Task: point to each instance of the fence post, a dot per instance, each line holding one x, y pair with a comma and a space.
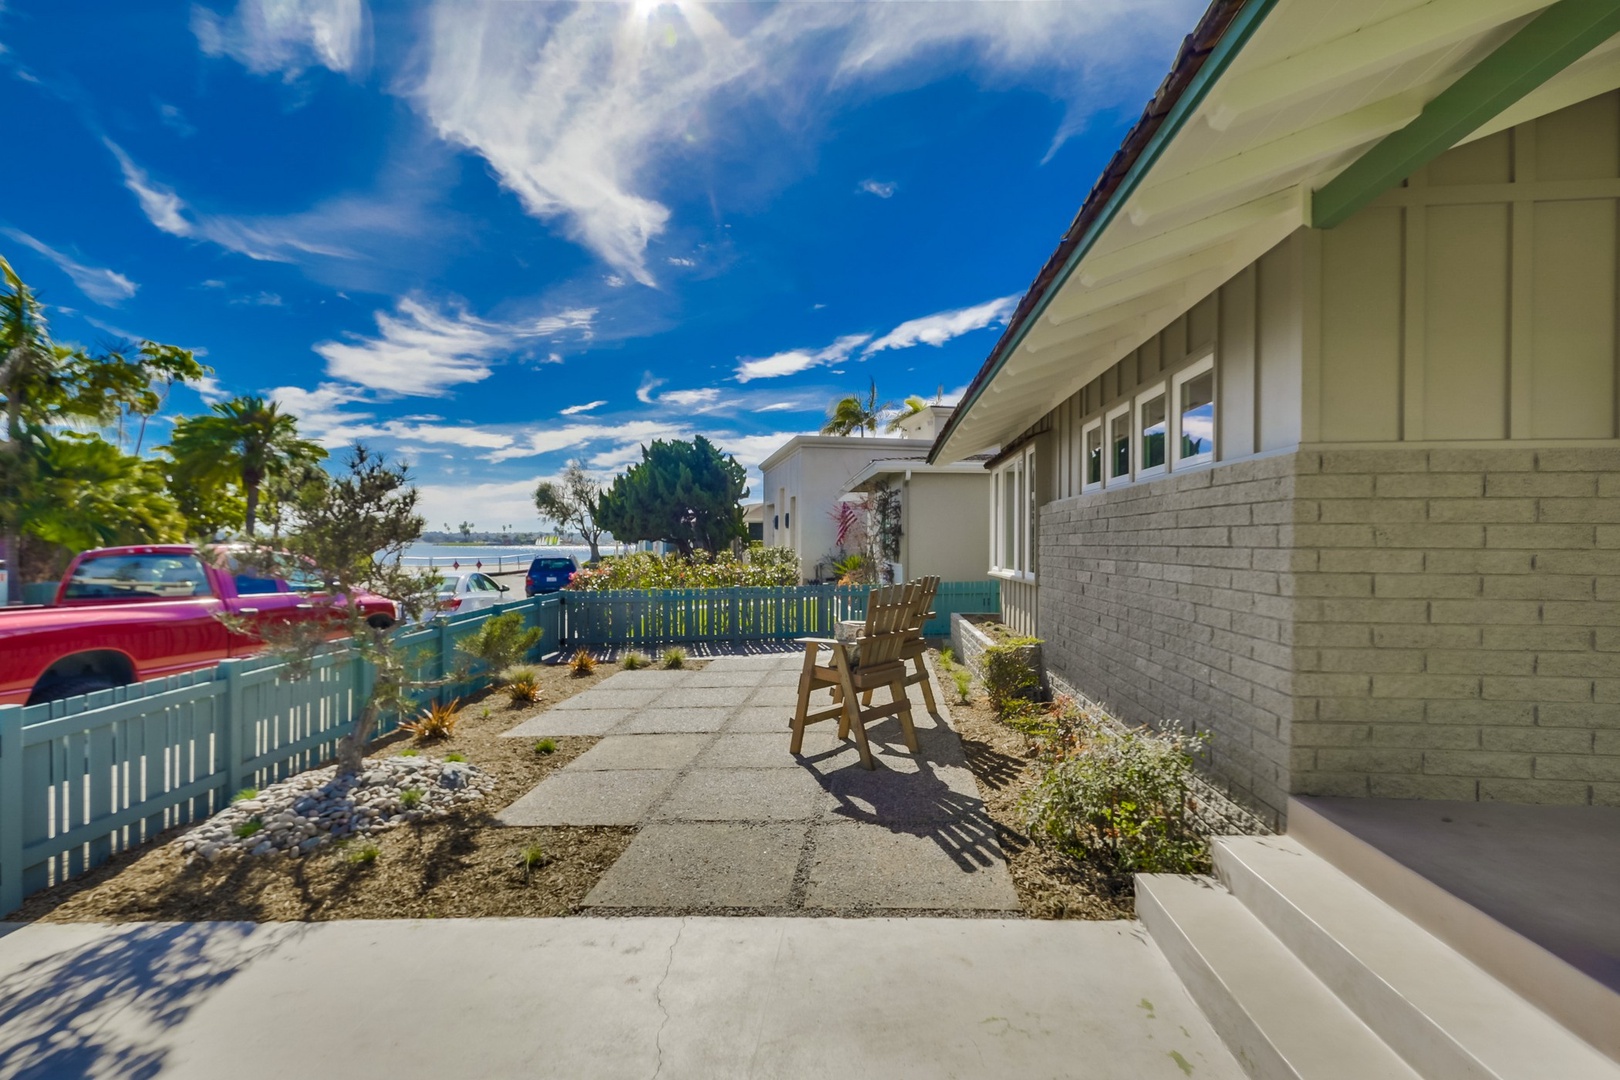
447, 645
736, 615
232, 721
11, 808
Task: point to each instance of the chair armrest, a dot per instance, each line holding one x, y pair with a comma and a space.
828, 642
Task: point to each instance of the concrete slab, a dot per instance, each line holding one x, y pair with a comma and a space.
892, 796
657, 721
956, 866
763, 750
746, 795
561, 999
604, 697
616, 797
643, 678
640, 752
696, 865
760, 718
706, 697
756, 662
575, 722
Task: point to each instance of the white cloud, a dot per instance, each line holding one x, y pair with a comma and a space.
458, 435
687, 398
644, 392
797, 360
778, 406
260, 299
488, 505
577, 437
174, 119
883, 189
676, 260
105, 287
575, 410
285, 35
209, 389
941, 327
577, 108
422, 351
161, 205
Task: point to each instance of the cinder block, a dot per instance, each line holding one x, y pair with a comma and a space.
1575, 510
1540, 485
1539, 587
1369, 561
1429, 486
1428, 535
1456, 788
1375, 461
1427, 586
1536, 688
1480, 662
1540, 537
1422, 636
1485, 461
1360, 585
1476, 763
1485, 612
1567, 792
1540, 638
1379, 510
1579, 459
1425, 687
1499, 511
1370, 760
1352, 785
1537, 740
1588, 767
1480, 712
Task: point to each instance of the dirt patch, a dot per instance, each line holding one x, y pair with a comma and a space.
1050, 884
463, 866
993, 628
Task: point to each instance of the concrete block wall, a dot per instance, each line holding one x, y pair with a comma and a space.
1168, 602
1457, 624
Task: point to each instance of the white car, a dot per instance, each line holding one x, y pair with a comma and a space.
467, 590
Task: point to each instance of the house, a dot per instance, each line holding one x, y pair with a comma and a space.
929, 517
1308, 427
806, 477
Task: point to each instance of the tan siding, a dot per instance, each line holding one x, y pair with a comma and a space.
1581, 142
1572, 382
1279, 346
1234, 371
1487, 161
1466, 323
1361, 329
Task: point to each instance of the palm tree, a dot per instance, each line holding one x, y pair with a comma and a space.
246, 440
27, 358
909, 408
851, 415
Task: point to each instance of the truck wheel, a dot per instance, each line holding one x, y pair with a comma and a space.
379, 622
66, 688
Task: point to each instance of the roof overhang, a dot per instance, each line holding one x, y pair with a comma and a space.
1275, 110
877, 471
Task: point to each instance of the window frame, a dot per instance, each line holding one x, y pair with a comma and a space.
1102, 448
1140, 471
1110, 478
1014, 480
1187, 374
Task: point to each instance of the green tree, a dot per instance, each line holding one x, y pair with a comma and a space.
685, 493
49, 388
245, 441
908, 408
854, 415
572, 501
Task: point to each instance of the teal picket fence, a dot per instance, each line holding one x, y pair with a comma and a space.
85, 778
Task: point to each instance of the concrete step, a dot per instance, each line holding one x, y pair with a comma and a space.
1279, 1020
1443, 1014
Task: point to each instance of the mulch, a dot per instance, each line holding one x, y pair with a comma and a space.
465, 866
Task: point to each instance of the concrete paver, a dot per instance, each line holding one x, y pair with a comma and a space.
746, 795
661, 720
689, 865
603, 998
605, 697
938, 867
762, 718
762, 750
607, 797
575, 722
703, 697
640, 752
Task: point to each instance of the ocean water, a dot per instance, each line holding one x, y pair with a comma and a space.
495, 558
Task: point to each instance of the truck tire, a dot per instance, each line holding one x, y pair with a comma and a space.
66, 688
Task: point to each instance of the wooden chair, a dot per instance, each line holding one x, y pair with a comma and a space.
875, 659
915, 646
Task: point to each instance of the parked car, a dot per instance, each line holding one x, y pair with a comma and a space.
126, 614
548, 574
467, 590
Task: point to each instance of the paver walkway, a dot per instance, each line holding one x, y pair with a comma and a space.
587, 998
730, 821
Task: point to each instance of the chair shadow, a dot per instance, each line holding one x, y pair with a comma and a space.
106, 1007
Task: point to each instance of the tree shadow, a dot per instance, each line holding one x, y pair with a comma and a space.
107, 1007
993, 767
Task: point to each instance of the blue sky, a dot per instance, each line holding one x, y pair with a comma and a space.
494, 237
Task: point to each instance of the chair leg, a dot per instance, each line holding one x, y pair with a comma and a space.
927, 687
866, 699
898, 689
851, 720
803, 709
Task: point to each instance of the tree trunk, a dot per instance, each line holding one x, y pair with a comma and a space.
596, 554
248, 521
351, 749
11, 555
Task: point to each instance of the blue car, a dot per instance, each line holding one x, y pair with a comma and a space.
549, 573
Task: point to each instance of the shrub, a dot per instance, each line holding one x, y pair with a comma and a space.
761, 565
635, 660
250, 827
1120, 796
364, 853
437, 721
947, 659
501, 641
245, 794
532, 856
410, 798
1008, 674
674, 657
963, 678
409, 751
455, 755
522, 686
582, 664
545, 746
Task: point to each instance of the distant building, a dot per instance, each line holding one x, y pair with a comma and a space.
939, 513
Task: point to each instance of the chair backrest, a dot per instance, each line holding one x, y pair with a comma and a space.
890, 611
928, 588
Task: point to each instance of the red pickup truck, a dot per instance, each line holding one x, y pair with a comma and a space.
126, 614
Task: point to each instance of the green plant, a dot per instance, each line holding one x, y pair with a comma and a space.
532, 856
250, 827
674, 657
1121, 797
410, 798
501, 641
245, 794
409, 751
759, 565
1008, 674
1037, 722
686, 493
582, 664
522, 686
963, 678
947, 659
437, 721
635, 660
545, 746
362, 854
455, 755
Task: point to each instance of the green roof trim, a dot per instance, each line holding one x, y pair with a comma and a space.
1554, 39
1237, 34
